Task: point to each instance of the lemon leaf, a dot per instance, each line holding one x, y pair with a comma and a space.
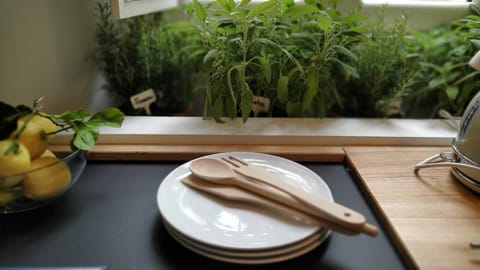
85, 136
112, 117
8, 119
72, 115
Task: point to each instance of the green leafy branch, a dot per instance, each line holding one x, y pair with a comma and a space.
84, 125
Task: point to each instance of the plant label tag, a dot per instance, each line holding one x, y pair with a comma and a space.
143, 100
260, 105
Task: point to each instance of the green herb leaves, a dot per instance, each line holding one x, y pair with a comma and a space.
148, 51
265, 49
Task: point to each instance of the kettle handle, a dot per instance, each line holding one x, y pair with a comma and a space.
444, 159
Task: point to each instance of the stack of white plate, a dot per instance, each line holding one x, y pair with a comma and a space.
241, 233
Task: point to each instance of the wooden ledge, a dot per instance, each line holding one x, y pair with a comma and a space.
188, 152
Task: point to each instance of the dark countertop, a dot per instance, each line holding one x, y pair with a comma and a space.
111, 218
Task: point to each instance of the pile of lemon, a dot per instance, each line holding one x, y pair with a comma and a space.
30, 170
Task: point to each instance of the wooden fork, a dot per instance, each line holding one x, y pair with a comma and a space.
314, 205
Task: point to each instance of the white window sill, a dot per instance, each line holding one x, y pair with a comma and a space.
422, 14
276, 131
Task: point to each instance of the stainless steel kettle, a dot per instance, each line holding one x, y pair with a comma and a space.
465, 158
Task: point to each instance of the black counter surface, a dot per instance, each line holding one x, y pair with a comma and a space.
111, 218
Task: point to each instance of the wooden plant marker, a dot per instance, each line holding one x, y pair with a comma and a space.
260, 104
143, 100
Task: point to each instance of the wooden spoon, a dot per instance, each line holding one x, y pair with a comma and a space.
231, 193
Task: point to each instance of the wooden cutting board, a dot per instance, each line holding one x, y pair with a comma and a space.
431, 216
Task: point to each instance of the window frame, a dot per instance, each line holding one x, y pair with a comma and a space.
122, 9
422, 14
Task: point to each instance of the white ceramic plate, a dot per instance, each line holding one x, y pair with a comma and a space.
319, 237
222, 224
222, 256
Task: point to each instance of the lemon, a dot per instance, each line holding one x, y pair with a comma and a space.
48, 153
33, 137
42, 122
14, 162
7, 197
51, 179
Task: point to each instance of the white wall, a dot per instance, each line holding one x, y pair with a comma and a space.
44, 45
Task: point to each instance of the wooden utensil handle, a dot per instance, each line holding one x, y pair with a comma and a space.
307, 202
243, 195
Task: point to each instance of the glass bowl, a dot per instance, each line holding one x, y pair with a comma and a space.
35, 188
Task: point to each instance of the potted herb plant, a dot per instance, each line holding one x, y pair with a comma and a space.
145, 52
294, 56
309, 60
444, 80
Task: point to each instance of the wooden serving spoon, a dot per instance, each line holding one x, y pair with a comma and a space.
232, 193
